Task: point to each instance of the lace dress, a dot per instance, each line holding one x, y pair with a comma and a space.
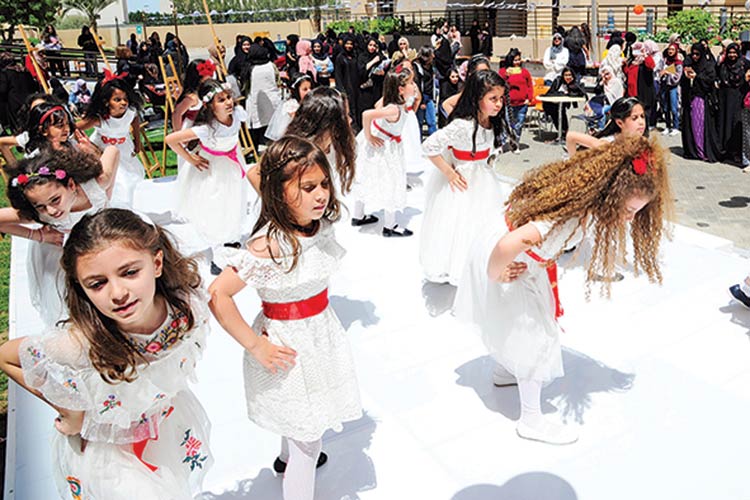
46, 277
116, 132
320, 392
380, 181
452, 219
517, 319
147, 439
215, 200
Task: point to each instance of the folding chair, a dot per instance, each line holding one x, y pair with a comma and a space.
174, 90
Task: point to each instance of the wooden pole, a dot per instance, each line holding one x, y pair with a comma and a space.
34, 62
101, 49
217, 42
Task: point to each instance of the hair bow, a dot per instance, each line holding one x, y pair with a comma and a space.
109, 76
640, 164
206, 68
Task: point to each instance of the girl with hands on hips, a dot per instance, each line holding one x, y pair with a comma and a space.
299, 372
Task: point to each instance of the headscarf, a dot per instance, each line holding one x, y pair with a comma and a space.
257, 55
556, 50
641, 56
651, 47
305, 61
614, 61
676, 59
323, 54
732, 74
80, 86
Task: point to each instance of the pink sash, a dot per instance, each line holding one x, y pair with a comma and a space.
231, 154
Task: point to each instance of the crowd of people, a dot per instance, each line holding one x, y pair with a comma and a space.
342, 119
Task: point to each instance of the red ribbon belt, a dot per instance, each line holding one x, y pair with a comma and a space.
140, 447
296, 310
113, 141
469, 155
231, 154
551, 267
392, 137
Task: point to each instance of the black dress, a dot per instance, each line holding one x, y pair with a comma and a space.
703, 85
370, 84
732, 90
347, 81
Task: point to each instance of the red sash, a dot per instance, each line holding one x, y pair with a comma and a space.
392, 137
551, 267
296, 310
469, 156
140, 446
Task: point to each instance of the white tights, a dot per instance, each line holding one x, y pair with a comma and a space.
389, 217
530, 393
301, 458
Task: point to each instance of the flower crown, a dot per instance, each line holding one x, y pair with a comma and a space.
216, 90
206, 68
24, 179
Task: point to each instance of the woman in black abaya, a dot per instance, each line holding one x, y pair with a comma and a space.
700, 136
732, 90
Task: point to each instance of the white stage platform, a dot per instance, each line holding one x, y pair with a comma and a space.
657, 379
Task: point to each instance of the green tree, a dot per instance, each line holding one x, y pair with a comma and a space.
36, 13
91, 8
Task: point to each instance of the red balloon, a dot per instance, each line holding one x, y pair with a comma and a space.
638, 9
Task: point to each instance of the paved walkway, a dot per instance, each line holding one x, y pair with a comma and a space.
714, 198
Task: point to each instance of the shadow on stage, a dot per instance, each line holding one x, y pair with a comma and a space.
351, 310
570, 394
438, 297
348, 472
527, 486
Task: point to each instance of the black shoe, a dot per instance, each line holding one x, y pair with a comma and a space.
280, 466
215, 270
367, 219
233, 244
396, 234
739, 295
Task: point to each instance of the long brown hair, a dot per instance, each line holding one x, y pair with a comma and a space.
594, 186
324, 110
110, 352
287, 160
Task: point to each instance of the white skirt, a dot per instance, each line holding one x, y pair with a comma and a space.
215, 200
320, 392
452, 220
414, 160
105, 471
130, 173
380, 180
46, 281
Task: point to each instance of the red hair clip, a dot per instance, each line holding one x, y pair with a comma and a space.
206, 68
399, 68
109, 76
640, 164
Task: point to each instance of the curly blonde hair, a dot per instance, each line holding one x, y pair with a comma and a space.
594, 185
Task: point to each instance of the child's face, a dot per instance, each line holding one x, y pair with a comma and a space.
307, 196
633, 204
568, 77
454, 78
57, 133
222, 105
304, 89
635, 124
52, 201
403, 44
408, 89
118, 103
492, 102
121, 283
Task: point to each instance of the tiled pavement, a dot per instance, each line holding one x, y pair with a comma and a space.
714, 198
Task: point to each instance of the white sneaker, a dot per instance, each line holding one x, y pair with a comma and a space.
666, 132
502, 377
547, 432
674, 132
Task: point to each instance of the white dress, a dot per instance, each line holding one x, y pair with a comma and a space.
215, 200
452, 219
188, 120
264, 96
517, 319
46, 277
380, 179
320, 392
281, 119
157, 410
116, 132
414, 161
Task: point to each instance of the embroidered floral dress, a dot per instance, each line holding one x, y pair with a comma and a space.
147, 439
320, 392
452, 219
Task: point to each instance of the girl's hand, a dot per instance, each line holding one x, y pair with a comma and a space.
271, 356
198, 162
48, 234
457, 182
375, 141
69, 422
85, 145
513, 271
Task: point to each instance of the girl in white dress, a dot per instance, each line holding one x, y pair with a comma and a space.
117, 373
214, 195
113, 112
465, 192
380, 181
299, 373
54, 189
299, 86
189, 104
510, 288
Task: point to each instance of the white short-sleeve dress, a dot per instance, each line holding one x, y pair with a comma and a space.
320, 391
146, 439
517, 319
453, 219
